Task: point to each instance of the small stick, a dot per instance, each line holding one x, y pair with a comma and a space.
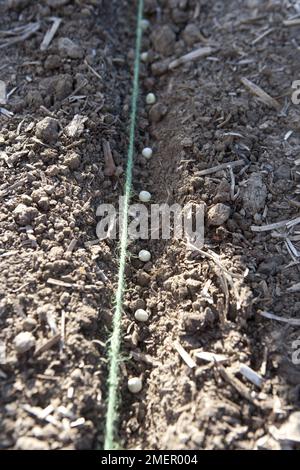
211, 357
251, 375
50, 33
223, 166
283, 223
48, 344
260, 93
294, 22
271, 316
109, 164
63, 329
262, 36
201, 52
237, 385
184, 355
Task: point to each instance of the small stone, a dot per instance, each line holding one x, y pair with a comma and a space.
218, 214
29, 324
47, 130
63, 86
254, 194
138, 303
76, 375
24, 215
69, 48
52, 62
143, 278
23, 342
159, 68
72, 160
157, 112
191, 34
43, 203
31, 443
163, 39
193, 285
135, 384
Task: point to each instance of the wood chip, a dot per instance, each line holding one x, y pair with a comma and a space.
184, 355
260, 93
194, 55
50, 33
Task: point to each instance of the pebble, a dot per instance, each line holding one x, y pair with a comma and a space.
72, 160
254, 194
191, 34
147, 152
163, 39
141, 315
144, 196
144, 255
47, 130
29, 324
218, 214
159, 68
31, 443
24, 341
24, 214
135, 385
150, 98
69, 48
143, 278
157, 112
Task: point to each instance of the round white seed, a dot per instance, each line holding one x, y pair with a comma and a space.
135, 385
147, 152
150, 98
144, 56
141, 315
145, 24
144, 196
144, 255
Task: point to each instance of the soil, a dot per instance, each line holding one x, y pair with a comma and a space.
58, 281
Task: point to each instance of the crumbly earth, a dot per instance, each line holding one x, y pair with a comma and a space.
54, 279
58, 283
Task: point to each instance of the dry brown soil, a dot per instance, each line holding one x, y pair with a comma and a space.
58, 283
